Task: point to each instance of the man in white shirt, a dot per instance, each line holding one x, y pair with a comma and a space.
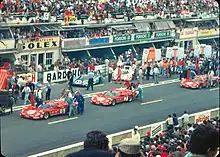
39, 97
185, 119
135, 134
156, 74
169, 122
26, 92
140, 75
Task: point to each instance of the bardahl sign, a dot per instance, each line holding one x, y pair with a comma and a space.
42, 43
59, 76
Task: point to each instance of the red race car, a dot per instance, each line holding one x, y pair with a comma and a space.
199, 81
44, 111
114, 96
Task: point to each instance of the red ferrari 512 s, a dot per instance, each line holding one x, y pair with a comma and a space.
199, 81
49, 108
113, 97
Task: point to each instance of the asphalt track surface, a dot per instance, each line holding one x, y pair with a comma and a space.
23, 137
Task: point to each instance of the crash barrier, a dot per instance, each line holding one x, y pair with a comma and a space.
154, 129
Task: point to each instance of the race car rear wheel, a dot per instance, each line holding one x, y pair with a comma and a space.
100, 80
130, 99
113, 102
46, 115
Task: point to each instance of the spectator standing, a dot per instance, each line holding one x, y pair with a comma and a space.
156, 74
135, 134
185, 119
110, 72
204, 141
26, 92
175, 120
129, 148
140, 75
95, 145
90, 81
48, 90
15, 93
169, 122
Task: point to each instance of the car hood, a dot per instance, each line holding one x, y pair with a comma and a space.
31, 110
101, 97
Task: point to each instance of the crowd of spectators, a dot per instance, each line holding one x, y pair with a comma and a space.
191, 140
100, 10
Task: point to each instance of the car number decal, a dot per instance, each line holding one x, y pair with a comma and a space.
62, 110
31, 112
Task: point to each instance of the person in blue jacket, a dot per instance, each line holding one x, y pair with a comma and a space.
80, 101
70, 101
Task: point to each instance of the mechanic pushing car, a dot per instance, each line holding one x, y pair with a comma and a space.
80, 101
70, 101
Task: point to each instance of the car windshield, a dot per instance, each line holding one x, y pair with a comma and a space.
196, 79
111, 93
44, 106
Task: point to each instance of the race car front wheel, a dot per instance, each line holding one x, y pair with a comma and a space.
113, 102
130, 99
46, 115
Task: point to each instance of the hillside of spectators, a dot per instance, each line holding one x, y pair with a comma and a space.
99, 10
191, 140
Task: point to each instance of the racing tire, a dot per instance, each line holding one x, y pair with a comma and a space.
130, 98
46, 115
113, 102
100, 80
214, 84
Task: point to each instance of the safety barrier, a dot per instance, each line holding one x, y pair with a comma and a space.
154, 129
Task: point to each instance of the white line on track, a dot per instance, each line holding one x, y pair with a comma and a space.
213, 89
151, 102
62, 120
99, 85
17, 108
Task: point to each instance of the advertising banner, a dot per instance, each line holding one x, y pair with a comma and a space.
211, 32
142, 36
151, 55
97, 41
101, 68
59, 76
203, 49
73, 43
121, 38
162, 34
175, 52
7, 44
156, 129
205, 116
29, 76
188, 33
42, 43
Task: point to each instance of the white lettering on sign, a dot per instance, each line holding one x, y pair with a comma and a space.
59, 76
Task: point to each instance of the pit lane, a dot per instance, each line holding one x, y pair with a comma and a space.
22, 137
